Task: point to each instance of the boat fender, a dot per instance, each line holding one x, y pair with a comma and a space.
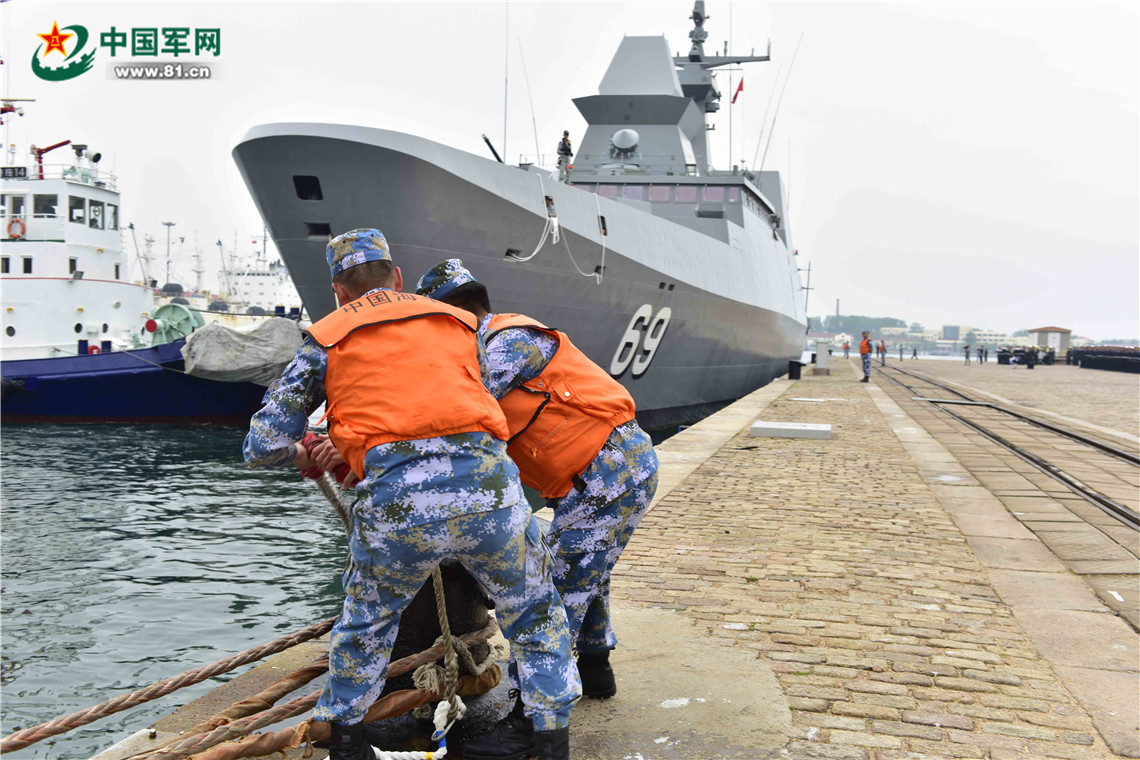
16, 228
92, 349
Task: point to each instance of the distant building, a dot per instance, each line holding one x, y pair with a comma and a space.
1056, 338
833, 339
888, 331
951, 332
992, 338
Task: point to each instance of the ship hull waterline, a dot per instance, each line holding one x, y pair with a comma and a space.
712, 349
139, 386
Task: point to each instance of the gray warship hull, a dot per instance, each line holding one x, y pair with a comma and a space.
730, 299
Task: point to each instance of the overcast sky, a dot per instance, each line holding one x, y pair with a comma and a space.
957, 163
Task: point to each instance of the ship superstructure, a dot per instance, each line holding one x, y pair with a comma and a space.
62, 264
677, 278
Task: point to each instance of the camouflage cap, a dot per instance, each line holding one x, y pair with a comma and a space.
356, 247
443, 278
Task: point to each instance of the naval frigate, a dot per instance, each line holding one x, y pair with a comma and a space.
679, 279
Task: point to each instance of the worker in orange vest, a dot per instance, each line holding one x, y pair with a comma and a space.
846, 349
408, 409
865, 349
575, 440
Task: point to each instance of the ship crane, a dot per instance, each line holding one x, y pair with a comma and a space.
39, 154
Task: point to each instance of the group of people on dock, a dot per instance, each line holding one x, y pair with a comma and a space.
442, 409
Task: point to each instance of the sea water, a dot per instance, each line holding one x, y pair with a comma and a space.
130, 554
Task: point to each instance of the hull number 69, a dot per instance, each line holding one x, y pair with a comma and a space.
639, 344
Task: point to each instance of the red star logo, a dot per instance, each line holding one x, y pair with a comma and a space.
55, 39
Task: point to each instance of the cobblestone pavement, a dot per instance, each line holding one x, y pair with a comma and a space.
836, 562
1111, 399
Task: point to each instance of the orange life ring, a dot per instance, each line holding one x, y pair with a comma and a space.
93, 350
16, 228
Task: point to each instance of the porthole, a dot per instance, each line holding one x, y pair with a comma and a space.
78, 327
106, 327
10, 331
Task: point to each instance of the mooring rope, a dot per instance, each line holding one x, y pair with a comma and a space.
243, 726
448, 646
28, 736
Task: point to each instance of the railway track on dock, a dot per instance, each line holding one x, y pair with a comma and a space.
998, 424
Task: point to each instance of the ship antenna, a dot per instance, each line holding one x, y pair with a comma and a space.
506, 74
767, 110
534, 123
772, 128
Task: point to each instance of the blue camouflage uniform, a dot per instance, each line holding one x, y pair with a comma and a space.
592, 525
421, 502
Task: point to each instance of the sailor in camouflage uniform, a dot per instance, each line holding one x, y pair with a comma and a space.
440, 487
608, 465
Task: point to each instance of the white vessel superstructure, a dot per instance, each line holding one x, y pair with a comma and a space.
62, 268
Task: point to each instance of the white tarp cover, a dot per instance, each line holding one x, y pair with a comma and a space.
256, 354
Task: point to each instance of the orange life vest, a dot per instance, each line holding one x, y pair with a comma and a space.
402, 367
560, 420
865, 346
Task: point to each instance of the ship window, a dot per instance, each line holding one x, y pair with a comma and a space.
44, 205
17, 205
112, 216
588, 188
5, 264
713, 194
77, 209
308, 188
96, 215
27, 265
106, 327
686, 194
78, 327
116, 271
10, 331
319, 229
607, 191
3, 205
72, 265
658, 193
734, 195
633, 192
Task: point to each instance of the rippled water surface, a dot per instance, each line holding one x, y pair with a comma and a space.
132, 554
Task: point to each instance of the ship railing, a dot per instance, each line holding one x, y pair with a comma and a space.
606, 165
542, 161
86, 175
663, 164
35, 226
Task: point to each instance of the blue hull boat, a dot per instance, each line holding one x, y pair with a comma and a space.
146, 385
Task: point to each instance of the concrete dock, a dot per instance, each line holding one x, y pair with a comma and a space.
897, 591
902, 609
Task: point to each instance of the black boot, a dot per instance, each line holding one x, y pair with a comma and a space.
597, 675
553, 745
512, 738
347, 743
